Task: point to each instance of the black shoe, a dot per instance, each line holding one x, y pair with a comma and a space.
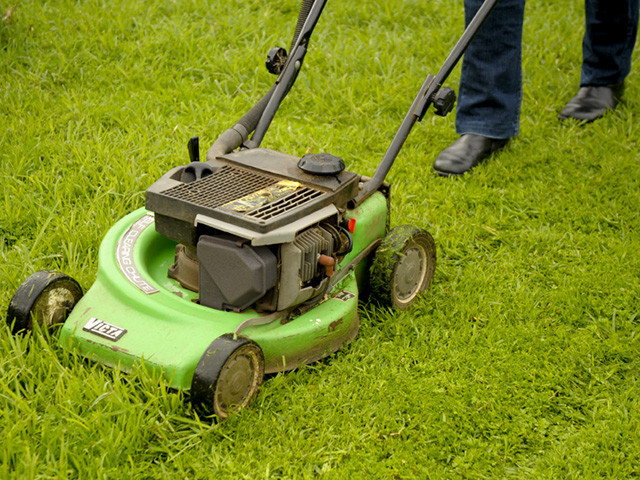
465, 153
591, 103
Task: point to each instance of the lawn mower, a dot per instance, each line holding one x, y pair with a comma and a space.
249, 262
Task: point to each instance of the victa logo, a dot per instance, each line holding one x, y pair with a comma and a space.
104, 329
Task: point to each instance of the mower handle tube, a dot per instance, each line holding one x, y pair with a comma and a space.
422, 101
305, 8
289, 73
235, 136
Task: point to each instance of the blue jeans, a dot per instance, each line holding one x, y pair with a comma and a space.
491, 81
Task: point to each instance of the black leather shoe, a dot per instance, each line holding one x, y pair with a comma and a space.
465, 153
591, 103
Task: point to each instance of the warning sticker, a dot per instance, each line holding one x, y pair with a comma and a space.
344, 296
262, 197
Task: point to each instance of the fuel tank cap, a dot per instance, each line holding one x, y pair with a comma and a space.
321, 164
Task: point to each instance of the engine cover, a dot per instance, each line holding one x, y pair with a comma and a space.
234, 275
256, 190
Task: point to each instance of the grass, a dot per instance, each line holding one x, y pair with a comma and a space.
521, 362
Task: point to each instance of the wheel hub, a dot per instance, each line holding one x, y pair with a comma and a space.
410, 272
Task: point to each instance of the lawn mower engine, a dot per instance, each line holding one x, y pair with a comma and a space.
255, 228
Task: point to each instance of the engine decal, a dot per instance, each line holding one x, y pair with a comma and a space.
104, 329
124, 255
262, 197
344, 296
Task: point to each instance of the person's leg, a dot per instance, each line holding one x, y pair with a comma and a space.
491, 79
611, 27
488, 110
610, 35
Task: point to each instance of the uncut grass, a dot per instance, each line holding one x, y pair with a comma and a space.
521, 362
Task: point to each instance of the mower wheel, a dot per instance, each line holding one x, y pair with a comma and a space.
228, 375
403, 266
46, 297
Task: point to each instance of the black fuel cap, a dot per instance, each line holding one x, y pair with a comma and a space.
321, 164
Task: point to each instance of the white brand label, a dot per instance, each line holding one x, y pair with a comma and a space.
104, 329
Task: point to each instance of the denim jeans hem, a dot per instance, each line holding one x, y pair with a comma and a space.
480, 128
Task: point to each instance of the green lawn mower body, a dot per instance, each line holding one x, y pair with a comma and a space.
134, 312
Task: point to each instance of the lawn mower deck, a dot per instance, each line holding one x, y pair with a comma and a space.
135, 312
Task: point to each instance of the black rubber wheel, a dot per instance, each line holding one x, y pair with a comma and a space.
403, 266
45, 297
228, 376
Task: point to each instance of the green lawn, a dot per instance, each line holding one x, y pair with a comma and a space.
523, 359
